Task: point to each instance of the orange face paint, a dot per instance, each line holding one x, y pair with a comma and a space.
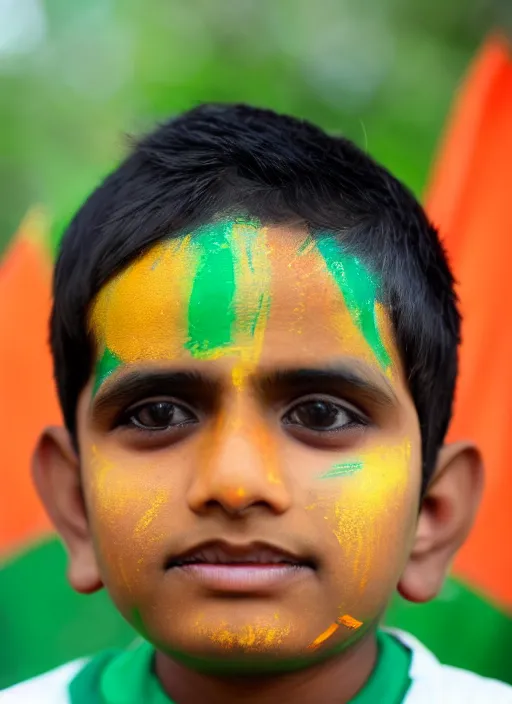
348, 621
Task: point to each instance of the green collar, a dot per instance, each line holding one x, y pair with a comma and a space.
128, 678
119, 678
389, 681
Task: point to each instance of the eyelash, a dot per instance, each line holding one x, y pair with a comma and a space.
125, 419
356, 418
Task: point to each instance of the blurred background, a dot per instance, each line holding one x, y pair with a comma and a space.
76, 77
413, 82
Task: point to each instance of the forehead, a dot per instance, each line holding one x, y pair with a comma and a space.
235, 288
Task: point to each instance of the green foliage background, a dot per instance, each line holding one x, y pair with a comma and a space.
76, 77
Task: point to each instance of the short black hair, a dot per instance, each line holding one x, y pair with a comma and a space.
279, 169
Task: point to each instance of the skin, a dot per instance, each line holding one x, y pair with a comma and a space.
246, 462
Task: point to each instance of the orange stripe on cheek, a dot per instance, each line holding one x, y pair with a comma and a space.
348, 621
324, 636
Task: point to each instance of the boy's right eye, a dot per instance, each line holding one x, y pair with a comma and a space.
158, 415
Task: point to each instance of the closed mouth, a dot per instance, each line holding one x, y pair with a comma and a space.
250, 569
253, 555
250, 555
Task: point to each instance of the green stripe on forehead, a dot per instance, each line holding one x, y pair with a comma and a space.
214, 283
360, 289
230, 296
106, 365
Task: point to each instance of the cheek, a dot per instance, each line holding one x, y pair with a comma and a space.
371, 515
125, 507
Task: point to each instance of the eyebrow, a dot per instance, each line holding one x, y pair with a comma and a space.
140, 384
339, 377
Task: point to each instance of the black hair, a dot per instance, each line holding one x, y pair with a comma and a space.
279, 169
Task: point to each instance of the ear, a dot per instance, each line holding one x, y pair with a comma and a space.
447, 513
56, 473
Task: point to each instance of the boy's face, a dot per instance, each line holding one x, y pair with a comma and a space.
250, 452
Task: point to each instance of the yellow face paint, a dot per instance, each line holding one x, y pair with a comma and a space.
244, 300
117, 503
159, 500
359, 510
259, 636
318, 297
137, 327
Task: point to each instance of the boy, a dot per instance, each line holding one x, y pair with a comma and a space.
255, 341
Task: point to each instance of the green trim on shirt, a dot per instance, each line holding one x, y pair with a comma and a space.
84, 688
390, 680
115, 677
128, 677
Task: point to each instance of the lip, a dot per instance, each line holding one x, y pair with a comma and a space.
240, 568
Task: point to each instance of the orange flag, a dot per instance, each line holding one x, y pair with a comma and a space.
470, 199
27, 397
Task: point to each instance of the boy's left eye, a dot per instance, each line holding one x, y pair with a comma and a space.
321, 415
159, 415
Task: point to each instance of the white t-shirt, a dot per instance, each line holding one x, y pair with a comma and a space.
128, 677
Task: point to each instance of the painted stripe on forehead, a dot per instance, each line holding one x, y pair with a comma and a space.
106, 365
230, 297
213, 290
221, 271
138, 315
360, 290
253, 277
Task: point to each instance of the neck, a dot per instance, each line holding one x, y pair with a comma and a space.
334, 681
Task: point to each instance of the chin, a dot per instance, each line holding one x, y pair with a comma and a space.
208, 658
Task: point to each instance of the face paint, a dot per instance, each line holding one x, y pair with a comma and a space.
106, 365
234, 273
159, 500
131, 326
223, 271
214, 282
341, 469
252, 637
383, 473
117, 502
375, 490
319, 310
359, 289
235, 267
236, 301
348, 621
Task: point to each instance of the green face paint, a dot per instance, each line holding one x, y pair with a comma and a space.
230, 297
214, 283
203, 294
107, 364
341, 469
360, 291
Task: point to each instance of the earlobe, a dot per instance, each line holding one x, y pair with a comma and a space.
447, 514
56, 474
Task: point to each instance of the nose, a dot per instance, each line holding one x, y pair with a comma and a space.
239, 469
